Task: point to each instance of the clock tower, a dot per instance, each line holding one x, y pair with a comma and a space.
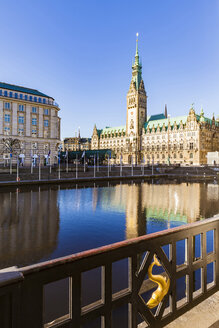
136, 100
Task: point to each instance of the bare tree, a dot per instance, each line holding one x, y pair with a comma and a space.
11, 146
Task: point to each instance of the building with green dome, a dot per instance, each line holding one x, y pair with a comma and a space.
157, 139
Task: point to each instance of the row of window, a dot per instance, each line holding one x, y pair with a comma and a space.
15, 95
174, 147
163, 156
20, 130
7, 105
21, 120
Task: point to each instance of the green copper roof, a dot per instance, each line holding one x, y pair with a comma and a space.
154, 120
206, 119
172, 120
117, 129
99, 131
22, 89
156, 117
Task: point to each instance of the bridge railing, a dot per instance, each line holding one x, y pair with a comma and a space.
22, 293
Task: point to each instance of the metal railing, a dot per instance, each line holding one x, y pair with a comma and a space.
22, 291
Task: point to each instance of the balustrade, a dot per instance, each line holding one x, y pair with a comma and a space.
22, 293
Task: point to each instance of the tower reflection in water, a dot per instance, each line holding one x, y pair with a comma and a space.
29, 226
172, 204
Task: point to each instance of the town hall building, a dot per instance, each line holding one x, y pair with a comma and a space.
157, 139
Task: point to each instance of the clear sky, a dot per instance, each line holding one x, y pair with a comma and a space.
80, 53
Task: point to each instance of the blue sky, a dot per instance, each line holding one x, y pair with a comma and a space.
80, 53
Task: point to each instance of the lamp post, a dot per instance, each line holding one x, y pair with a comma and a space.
121, 165
94, 166
98, 162
18, 168
39, 169
10, 163
76, 166
31, 162
152, 166
66, 160
59, 160
168, 141
143, 166
59, 165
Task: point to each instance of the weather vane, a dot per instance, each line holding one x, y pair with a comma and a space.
137, 35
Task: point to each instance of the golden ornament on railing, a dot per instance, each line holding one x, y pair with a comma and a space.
163, 285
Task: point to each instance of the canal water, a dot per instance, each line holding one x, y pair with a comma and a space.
43, 223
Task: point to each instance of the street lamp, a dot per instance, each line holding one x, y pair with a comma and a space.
168, 141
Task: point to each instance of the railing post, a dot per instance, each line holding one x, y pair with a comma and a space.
107, 295
132, 320
204, 257
173, 278
32, 303
10, 297
189, 261
217, 255
76, 299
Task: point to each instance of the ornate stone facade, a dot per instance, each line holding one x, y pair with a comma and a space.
158, 138
77, 143
31, 117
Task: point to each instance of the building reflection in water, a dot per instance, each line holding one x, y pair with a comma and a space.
30, 219
29, 226
185, 202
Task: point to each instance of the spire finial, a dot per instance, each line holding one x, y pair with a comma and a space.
165, 112
137, 44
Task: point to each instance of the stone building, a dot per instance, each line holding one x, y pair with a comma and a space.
77, 143
157, 138
213, 158
31, 117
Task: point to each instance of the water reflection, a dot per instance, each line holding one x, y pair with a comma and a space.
29, 225
40, 224
185, 202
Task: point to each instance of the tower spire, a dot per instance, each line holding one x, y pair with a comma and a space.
165, 112
136, 67
136, 54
